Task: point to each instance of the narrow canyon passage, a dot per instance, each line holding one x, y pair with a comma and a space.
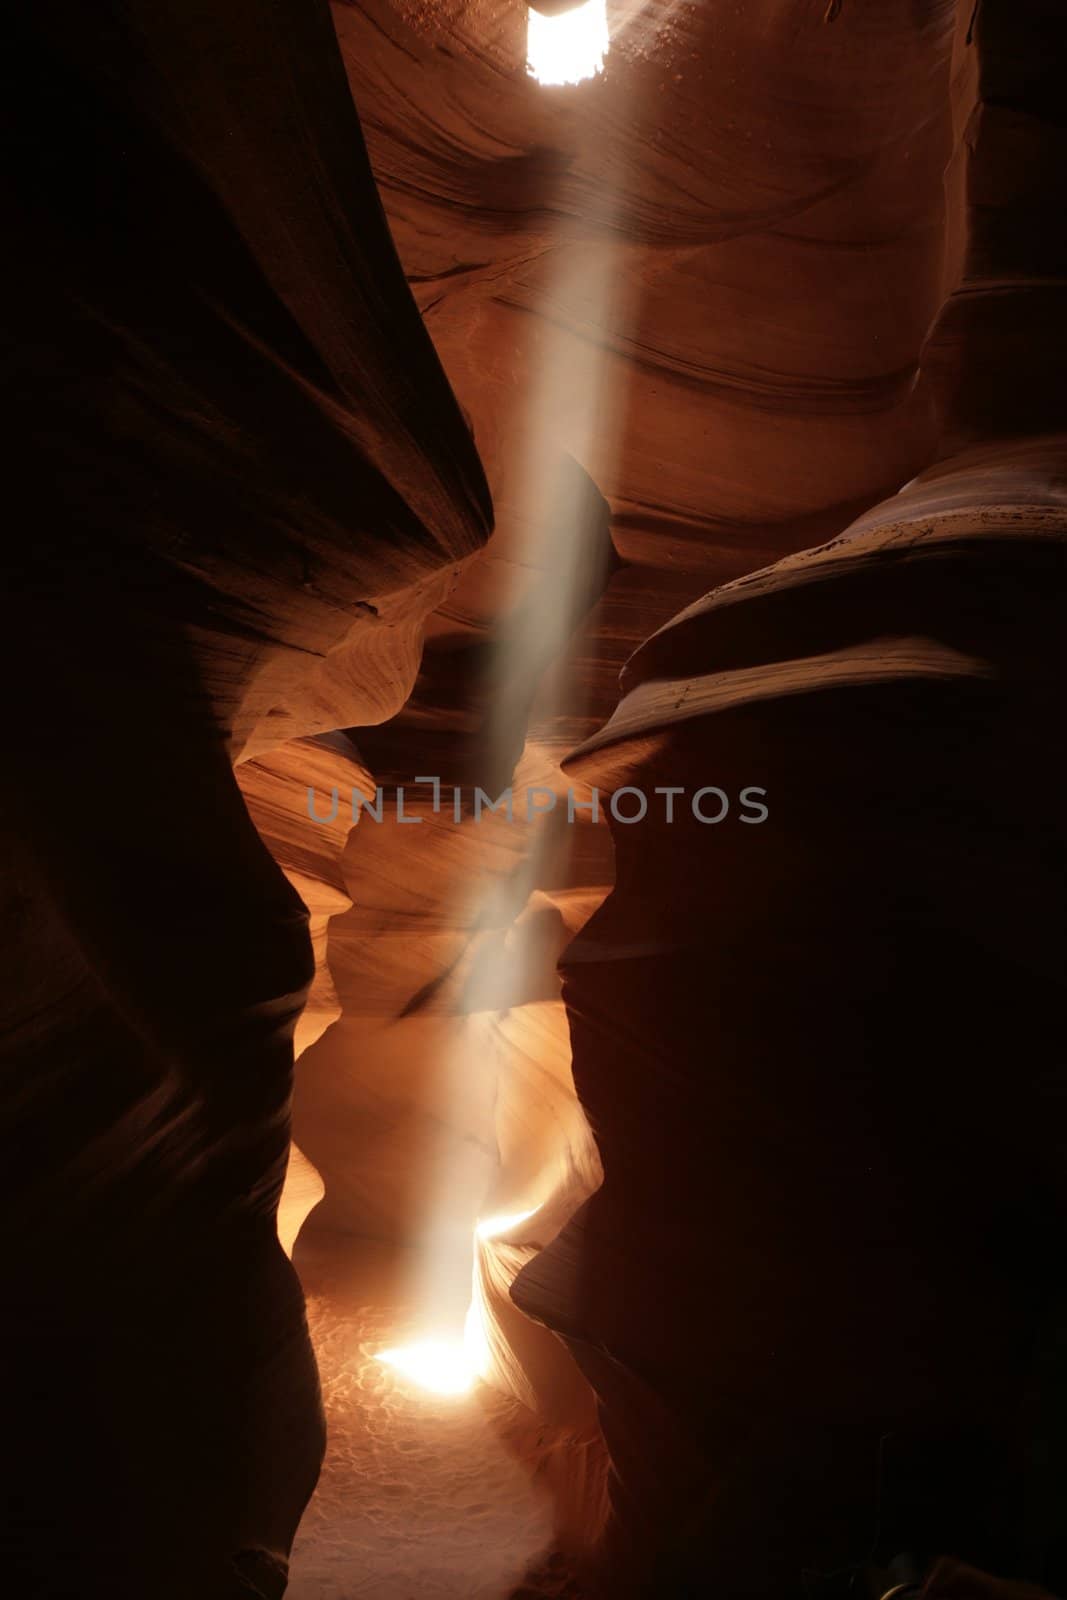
421, 1494
441, 1510
533, 836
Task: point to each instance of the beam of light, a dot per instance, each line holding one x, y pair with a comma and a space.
573, 425
476, 1346
563, 445
570, 47
451, 1366
493, 1227
443, 1366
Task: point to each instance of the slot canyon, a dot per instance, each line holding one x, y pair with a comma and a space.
534, 819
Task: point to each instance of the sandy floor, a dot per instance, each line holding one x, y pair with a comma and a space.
421, 1497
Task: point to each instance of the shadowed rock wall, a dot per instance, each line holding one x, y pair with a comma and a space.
819, 1054
237, 458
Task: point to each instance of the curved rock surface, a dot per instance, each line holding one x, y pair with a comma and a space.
848, 1266
241, 454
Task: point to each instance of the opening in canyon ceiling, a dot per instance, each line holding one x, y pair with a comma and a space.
534, 832
567, 46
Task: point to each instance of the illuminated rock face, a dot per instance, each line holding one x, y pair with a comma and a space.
776, 241
682, 305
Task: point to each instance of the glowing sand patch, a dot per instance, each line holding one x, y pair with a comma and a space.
568, 48
453, 1366
443, 1366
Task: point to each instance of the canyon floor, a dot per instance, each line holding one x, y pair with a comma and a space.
422, 1497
